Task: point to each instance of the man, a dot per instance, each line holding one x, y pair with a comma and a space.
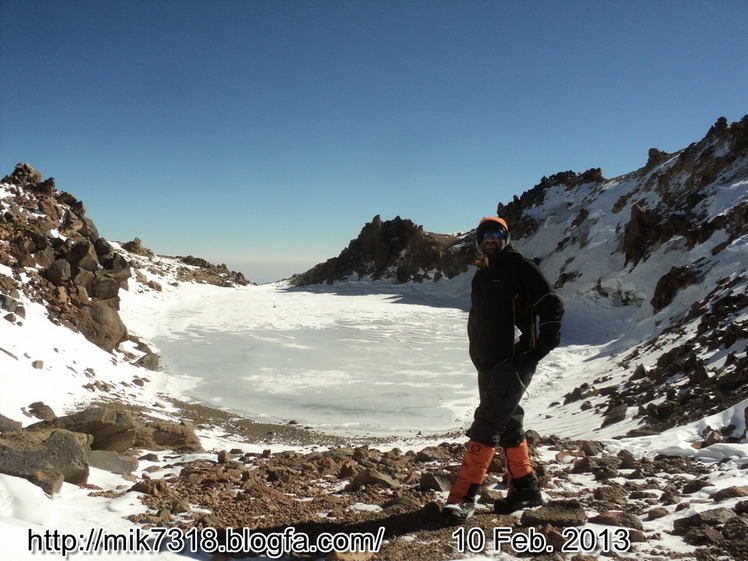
514, 321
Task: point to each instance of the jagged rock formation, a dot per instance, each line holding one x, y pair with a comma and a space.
679, 182
203, 271
663, 199
182, 269
522, 224
397, 249
46, 234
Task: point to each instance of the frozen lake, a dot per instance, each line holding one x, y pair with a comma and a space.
361, 359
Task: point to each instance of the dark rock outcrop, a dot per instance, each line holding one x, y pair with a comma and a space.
203, 271
669, 285
75, 272
641, 231
190, 269
397, 249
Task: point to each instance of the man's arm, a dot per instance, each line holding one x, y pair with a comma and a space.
546, 305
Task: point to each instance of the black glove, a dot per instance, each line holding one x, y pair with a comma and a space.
526, 362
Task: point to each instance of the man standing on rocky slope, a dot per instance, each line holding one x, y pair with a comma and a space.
514, 321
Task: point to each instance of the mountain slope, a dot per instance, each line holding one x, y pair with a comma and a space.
663, 249
52, 251
656, 257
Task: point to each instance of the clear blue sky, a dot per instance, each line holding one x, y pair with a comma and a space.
265, 134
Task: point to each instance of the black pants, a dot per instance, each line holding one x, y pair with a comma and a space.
498, 418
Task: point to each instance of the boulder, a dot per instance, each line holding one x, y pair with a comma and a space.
372, 477
102, 324
561, 514
111, 428
713, 517
149, 361
83, 255
730, 493
42, 411
433, 454
165, 435
12, 305
46, 457
104, 286
618, 518
436, 482
7, 424
136, 247
112, 461
58, 272
615, 415
44, 257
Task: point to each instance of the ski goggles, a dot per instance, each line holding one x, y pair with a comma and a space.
495, 234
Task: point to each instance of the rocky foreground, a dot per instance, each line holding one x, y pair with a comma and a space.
332, 486
360, 489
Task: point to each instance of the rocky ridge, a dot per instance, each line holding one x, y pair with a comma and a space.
147, 266
46, 235
55, 254
396, 249
682, 241
665, 200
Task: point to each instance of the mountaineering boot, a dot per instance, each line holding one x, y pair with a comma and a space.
459, 512
523, 491
461, 500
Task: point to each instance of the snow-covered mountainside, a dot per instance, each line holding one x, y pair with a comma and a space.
664, 248
657, 257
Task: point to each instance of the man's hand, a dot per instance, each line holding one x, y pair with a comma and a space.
524, 364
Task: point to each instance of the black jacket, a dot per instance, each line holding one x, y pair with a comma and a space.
511, 291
